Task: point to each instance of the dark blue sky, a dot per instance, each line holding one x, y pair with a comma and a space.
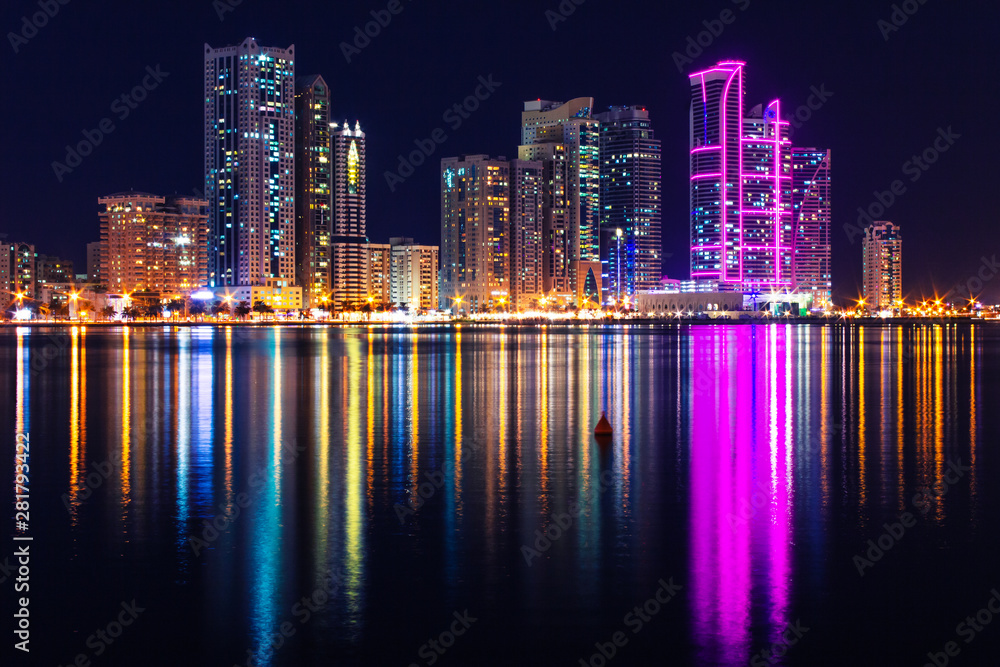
889, 99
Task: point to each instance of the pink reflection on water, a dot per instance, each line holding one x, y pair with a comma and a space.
740, 407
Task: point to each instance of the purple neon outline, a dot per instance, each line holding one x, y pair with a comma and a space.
724, 260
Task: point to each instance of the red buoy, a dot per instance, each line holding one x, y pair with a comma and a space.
603, 426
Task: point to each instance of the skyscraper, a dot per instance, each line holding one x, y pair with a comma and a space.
741, 185
349, 243
527, 268
566, 139
883, 267
250, 163
812, 217
475, 214
313, 203
631, 242
153, 244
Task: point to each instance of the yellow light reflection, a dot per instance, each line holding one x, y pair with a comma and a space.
228, 419
20, 396
354, 528
126, 425
414, 380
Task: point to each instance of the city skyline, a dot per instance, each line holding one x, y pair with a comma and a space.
824, 96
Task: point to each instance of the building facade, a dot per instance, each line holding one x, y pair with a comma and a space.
250, 163
18, 277
475, 219
52, 270
378, 281
350, 242
812, 213
313, 181
741, 183
883, 267
413, 275
630, 198
93, 261
566, 138
273, 293
527, 268
153, 244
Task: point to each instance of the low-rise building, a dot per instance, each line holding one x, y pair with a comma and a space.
276, 293
673, 304
413, 275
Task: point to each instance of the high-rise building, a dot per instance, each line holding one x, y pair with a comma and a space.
741, 185
313, 180
566, 138
630, 197
153, 244
883, 267
250, 163
18, 278
812, 212
93, 261
414, 275
350, 242
527, 268
379, 277
475, 216
52, 270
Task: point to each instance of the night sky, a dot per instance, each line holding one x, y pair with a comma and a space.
889, 97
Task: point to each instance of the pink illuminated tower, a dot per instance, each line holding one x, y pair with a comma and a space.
741, 186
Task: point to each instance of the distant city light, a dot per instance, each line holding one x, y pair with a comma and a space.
203, 295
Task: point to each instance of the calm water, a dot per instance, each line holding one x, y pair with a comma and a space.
374, 489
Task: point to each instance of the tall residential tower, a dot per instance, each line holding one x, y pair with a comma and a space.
566, 139
313, 205
250, 163
812, 217
883, 267
631, 242
475, 244
741, 183
349, 243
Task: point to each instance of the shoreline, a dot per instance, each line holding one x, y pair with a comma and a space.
672, 322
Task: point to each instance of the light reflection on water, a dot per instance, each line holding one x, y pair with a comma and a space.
737, 452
